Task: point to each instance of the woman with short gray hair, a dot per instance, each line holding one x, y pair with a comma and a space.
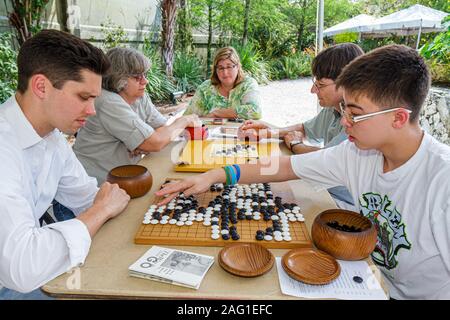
126, 124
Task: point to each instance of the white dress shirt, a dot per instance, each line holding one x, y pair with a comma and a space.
34, 171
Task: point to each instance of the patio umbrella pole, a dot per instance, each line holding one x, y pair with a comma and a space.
418, 35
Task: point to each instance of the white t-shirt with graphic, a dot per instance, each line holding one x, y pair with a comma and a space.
410, 207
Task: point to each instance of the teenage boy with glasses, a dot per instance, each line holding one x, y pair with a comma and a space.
398, 173
326, 127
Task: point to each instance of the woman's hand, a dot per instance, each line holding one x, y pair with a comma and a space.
192, 120
292, 136
222, 113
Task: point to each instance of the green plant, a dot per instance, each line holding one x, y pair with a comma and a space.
253, 63
113, 34
159, 86
187, 71
346, 37
293, 66
8, 67
437, 55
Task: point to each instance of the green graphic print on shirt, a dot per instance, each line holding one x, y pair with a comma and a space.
390, 228
244, 99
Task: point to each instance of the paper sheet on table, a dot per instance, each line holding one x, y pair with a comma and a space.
341, 288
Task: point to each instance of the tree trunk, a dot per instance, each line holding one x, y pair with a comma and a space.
61, 14
301, 28
26, 18
246, 14
184, 32
210, 35
169, 13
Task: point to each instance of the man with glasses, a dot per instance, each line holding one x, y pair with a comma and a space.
324, 128
398, 173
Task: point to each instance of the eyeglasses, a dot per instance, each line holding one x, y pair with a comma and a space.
354, 119
318, 87
222, 69
139, 77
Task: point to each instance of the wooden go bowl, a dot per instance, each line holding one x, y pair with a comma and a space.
344, 245
136, 180
246, 259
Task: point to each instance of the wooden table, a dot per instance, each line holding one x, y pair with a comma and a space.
105, 272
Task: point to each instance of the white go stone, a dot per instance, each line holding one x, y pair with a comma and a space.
154, 221
257, 217
293, 219
206, 223
268, 237
215, 219
274, 218
188, 223
180, 223
300, 219
163, 221
215, 236
277, 233
199, 219
215, 227
146, 221
191, 218
287, 239
225, 231
278, 238
153, 206
183, 219
172, 221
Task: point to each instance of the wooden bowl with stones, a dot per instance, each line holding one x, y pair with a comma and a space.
246, 259
136, 180
346, 235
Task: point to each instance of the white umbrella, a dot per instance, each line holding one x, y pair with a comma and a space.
355, 24
416, 19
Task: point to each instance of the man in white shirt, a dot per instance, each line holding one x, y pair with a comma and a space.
398, 174
59, 78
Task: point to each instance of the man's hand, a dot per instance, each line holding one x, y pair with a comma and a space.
292, 136
111, 199
192, 185
254, 130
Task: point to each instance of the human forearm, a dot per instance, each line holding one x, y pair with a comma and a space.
301, 148
295, 127
94, 218
163, 136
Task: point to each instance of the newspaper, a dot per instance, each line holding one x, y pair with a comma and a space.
176, 267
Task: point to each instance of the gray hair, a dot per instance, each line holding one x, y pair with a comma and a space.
125, 62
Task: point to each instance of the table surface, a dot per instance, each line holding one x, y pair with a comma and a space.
105, 272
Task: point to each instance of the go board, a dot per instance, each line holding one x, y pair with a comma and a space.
286, 226
204, 155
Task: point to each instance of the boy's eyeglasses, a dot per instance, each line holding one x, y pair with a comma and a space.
354, 119
222, 69
320, 86
139, 77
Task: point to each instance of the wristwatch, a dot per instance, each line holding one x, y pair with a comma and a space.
294, 143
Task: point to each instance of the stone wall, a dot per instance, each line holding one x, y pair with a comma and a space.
435, 116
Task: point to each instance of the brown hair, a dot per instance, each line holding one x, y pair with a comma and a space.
392, 76
59, 56
330, 62
231, 54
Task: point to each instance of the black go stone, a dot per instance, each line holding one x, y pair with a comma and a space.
259, 237
249, 217
235, 237
226, 237
358, 279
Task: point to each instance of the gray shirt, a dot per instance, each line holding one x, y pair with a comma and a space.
325, 127
108, 137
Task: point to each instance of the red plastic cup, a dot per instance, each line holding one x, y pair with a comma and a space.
197, 133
